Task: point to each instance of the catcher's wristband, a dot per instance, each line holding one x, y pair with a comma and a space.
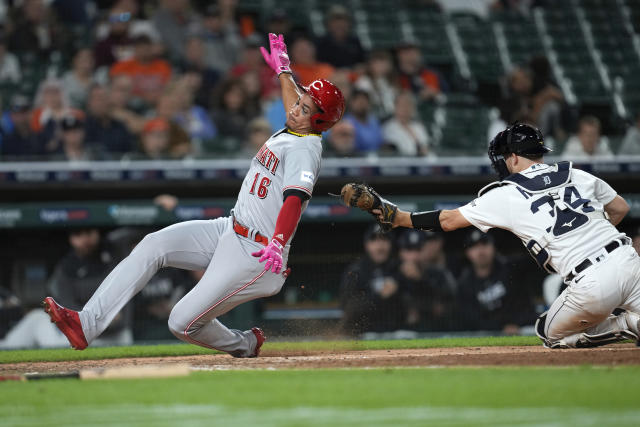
429, 220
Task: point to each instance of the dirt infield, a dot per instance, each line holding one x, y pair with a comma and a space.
622, 354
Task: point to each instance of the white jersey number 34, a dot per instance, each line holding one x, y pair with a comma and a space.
564, 209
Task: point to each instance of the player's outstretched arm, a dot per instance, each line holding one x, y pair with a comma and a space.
442, 220
616, 209
389, 216
278, 59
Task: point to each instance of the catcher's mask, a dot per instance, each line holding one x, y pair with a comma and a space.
519, 138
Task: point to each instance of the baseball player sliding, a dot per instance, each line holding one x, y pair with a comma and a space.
273, 196
566, 219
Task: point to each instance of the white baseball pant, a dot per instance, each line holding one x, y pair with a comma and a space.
584, 307
232, 277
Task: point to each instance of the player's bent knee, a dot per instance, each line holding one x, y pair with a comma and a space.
177, 326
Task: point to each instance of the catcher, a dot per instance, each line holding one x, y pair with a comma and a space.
566, 219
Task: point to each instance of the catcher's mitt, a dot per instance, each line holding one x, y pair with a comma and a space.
366, 198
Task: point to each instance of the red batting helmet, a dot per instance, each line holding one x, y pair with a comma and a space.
329, 100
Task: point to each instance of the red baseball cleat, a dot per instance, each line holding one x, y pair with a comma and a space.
260, 339
67, 321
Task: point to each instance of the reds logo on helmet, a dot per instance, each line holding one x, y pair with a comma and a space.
329, 100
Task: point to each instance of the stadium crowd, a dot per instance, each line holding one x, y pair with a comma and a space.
169, 79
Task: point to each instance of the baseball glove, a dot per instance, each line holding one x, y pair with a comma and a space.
362, 196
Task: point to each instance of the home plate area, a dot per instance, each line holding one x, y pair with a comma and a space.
620, 354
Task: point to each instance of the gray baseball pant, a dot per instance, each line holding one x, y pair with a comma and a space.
232, 276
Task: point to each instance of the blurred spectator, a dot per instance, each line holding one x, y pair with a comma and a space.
251, 86
279, 23
631, 142
403, 132
533, 98
9, 65
77, 80
34, 31
79, 273
339, 47
515, 104
547, 101
365, 123
149, 74
369, 294
118, 44
252, 65
33, 330
104, 131
488, 298
10, 310
167, 109
221, 38
341, 141
304, 63
51, 104
427, 288
115, 36
72, 145
119, 97
433, 255
17, 139
156, 300
154, 142
342, 79
192, 118
202, 77
174, 19
259, 132
379, 81
424, 82
232, 111
24, 324
587, 142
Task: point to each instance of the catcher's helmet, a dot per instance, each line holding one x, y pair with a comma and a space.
329, 100
519, 138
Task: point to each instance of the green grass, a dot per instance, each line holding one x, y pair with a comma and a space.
54, 355
583, 396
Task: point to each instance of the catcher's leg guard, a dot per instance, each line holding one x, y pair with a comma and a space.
625, 326
586, 340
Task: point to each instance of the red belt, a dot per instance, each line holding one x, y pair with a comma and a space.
244, 232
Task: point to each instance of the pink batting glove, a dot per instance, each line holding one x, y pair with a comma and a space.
273, 255
278, 59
